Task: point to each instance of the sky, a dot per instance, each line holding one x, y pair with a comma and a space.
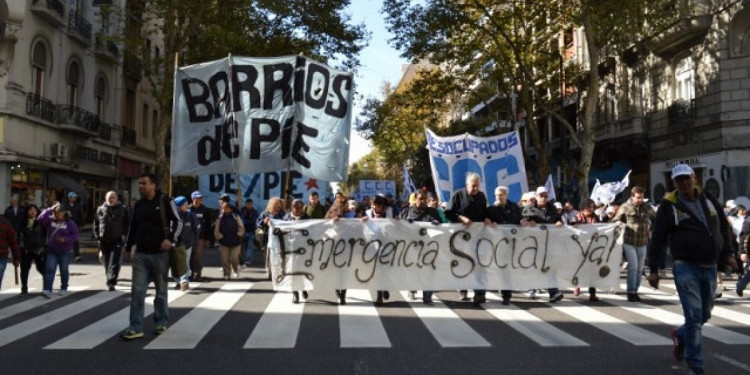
379, 63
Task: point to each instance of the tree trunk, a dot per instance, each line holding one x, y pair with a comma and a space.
588, 135
541, 162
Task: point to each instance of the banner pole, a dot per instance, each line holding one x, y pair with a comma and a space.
176, 66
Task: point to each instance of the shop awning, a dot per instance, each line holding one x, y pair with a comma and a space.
61, 181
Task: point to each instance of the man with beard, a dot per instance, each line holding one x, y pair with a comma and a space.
422, 213
543, 212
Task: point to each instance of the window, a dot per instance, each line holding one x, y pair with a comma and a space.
38, 68
144, 119
155, 122
100, 92
129, 118
74, 77
684, 75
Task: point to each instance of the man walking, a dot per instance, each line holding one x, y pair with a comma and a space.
698, 234
205, 236
249, 217
156, 225
110, 226
14, 212
73, 206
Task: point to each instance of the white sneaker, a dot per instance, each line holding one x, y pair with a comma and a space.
236, 275
62, 292
47, 294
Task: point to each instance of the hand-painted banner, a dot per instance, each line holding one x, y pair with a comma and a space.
498, 160
397, 255
372, 188
258, 187
255, 115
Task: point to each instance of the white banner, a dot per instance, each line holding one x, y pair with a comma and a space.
498, 160
258, 187
606, 193
397, 255
254, 115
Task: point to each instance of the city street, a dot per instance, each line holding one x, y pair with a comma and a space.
242, 326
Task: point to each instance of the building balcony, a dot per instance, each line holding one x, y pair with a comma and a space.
681, 114
128, 136
106, 49
78, 120
52, 11
40, 107
683, 34
621, 129
79, 27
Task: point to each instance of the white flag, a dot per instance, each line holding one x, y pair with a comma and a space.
605, 193
550, 186
408, 185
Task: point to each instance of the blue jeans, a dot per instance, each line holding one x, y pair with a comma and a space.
3, 264
147, 267
249, 247
635, 256
186, 277
51, 263
695, 286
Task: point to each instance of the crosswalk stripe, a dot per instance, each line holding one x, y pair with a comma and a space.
609, 324
447, 327
28, 327
711, 331
359, 323
717, 311
33, 302
9, 293
530, 325
95, 334
279, 325
188, 331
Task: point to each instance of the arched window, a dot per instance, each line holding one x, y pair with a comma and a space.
739, 33
38, 68
74, 77
100, 93
684, 74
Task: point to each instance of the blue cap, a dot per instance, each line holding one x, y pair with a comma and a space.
179, 201
196, 194
72, 194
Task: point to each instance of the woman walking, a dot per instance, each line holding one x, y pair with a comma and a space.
62, 233
229, 231
31, 237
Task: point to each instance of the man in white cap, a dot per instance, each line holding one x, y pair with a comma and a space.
694, 224
544, 212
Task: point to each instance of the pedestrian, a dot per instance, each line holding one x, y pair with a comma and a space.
249, 219
155, 228
540, 211
31, 238
586, 215
14, 213
314, 208
297, 213
637, 217
469, 205
336, 212
75, 212
62, 233
205, 238
378, 211
421, 212
229, 231
432, 201
504, 212
8, 241
569, 213
698, 233
187, 238
274, 211
111, 223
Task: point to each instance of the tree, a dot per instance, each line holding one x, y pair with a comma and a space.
212, 29
520, 43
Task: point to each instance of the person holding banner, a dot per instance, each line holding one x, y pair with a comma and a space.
314, 209
586, 216
698, 233
379, 210
338, 210
297, 212
469, 205
541, 211
504, 211
274, 210
421, 212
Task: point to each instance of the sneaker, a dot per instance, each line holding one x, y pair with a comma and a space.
295, 297
47, 293
464, 295
77, 258
386, 295
412, 295
111, 288
184, 286
129, 334
62, 292
695, 371
678, 350
555, 297
304, 294
506, 301
428, 301
379, 300
158, 330
740, 289
717, 295
480, 299
531, 294
236, 275
631, 297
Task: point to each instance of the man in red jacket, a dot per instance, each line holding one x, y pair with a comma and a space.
8, 240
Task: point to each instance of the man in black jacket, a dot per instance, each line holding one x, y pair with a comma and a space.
698, 234
504, 211
14, 213
156, 225
111, 223
542, 211
469, 205
73, 205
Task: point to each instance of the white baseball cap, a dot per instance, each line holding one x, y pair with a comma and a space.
681, 170
541, 190
731, 204
558, 205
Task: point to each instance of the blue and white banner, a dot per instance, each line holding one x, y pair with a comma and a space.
258, 187
372, 188
409, 186
550, 186
498, 160
254, 115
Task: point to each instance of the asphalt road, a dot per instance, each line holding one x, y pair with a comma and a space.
242, 326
